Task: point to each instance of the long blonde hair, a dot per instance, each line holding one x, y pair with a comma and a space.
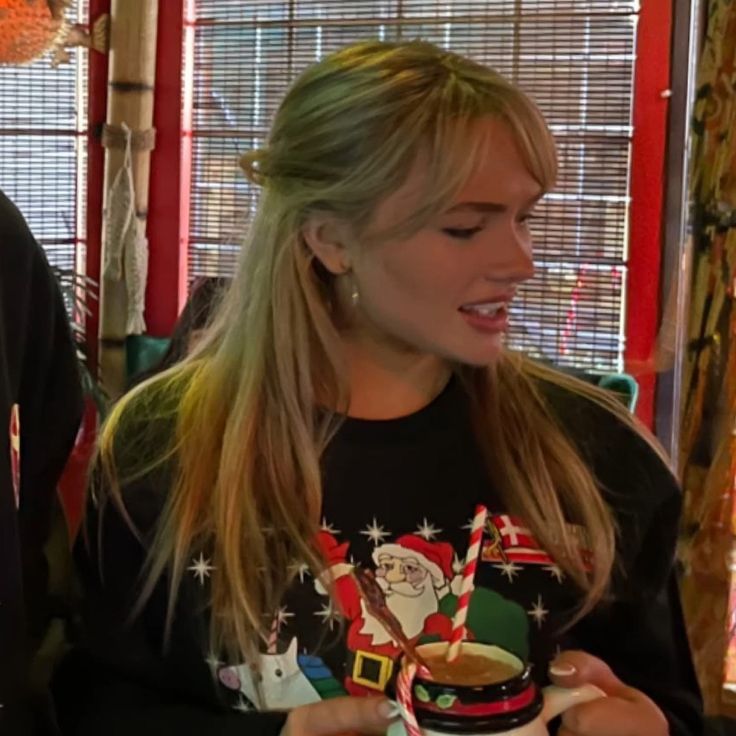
246, 433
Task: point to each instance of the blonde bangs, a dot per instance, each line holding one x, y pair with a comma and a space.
536, 144
456, 141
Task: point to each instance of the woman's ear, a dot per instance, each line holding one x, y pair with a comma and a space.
327, 239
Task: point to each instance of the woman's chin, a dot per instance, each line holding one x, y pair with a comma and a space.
488, 356
483, 352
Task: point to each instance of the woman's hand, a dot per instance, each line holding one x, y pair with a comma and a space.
625, 712
341, 716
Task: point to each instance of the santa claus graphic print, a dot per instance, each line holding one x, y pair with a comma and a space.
417, 578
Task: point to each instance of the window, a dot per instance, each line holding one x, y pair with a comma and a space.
43, 144
575, 57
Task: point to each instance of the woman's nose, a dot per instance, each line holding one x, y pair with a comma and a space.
512, 260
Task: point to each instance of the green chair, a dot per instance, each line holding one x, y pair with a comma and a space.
624, 385
142, 352
621, 384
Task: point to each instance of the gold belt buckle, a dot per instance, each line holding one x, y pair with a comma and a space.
385, 668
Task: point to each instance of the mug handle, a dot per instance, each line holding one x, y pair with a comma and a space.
558, 699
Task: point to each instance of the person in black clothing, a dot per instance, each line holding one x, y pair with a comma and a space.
351, 404
40, 411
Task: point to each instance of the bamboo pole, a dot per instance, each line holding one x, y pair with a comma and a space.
131, 78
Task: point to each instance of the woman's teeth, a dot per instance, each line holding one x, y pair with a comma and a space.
486, 310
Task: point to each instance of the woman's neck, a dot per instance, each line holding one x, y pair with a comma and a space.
389, 383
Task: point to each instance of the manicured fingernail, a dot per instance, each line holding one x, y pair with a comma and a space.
389, 709
562, 670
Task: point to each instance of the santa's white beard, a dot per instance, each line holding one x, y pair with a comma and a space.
411, 613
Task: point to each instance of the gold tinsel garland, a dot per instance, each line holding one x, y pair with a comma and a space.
708, 457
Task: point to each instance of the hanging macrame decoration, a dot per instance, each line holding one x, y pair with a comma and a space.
126, 245
30, 28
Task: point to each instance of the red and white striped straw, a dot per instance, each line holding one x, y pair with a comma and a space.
273, 637
404, 683
466, 588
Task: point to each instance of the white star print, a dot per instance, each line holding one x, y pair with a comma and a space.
328, 614
243, 705
212, 661
457, 565
375, 532
282, 616
328, 527
469, 526
201, 568
299, 568
538, 612
555, 572
509, 569
427, 531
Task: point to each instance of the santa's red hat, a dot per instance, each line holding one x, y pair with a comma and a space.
435, 557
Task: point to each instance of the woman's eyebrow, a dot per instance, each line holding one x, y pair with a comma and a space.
489, 206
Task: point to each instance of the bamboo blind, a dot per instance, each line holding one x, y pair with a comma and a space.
576, 57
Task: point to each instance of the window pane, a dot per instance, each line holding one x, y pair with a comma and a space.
575, 57
43, 145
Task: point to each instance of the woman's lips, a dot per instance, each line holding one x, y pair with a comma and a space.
489, 319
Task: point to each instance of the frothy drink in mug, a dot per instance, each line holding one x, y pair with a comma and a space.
486, 690
473, 670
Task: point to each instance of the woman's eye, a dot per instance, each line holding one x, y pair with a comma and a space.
461, 233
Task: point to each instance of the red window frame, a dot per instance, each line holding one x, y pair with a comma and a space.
97, 109
648, 149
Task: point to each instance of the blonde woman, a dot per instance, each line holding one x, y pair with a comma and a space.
351, 404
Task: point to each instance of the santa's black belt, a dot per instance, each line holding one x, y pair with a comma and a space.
370, 669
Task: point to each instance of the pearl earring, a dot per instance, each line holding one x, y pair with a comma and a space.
355, 295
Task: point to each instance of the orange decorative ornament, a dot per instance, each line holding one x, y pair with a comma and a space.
28, 28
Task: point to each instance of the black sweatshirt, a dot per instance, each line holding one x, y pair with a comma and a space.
398, 496
40, 409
